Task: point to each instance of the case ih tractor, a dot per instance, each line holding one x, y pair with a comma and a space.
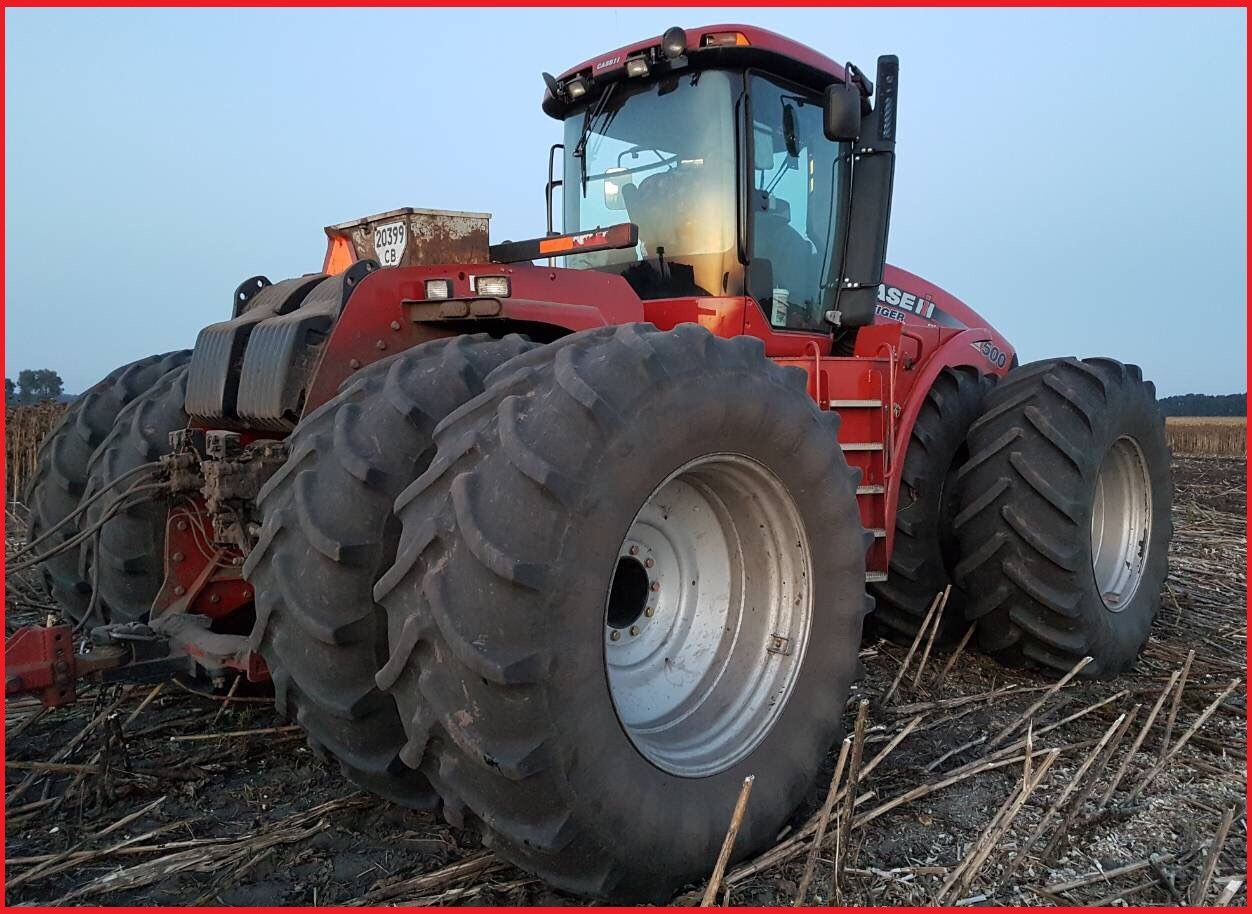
567, 536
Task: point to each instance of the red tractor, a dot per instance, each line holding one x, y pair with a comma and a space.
567, 536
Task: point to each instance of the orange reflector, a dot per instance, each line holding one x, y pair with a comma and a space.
339, 255
565, 244
724, 40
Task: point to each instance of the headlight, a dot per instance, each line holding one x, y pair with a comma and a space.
494, 286
438, 288
637, 66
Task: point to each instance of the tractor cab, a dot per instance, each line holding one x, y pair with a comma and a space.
735, 152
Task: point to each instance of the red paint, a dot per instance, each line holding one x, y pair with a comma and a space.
758, 39
376, 312
41, 659
208, 575
720, 316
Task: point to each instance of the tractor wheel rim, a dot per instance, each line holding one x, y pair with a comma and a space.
708, 615
1121, 523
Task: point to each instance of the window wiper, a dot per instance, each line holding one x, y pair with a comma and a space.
589, 117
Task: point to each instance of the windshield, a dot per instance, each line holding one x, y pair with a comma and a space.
661, 155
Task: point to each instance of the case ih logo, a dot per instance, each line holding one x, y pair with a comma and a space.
907, 301
605, 64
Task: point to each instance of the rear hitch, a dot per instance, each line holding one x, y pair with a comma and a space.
41, 660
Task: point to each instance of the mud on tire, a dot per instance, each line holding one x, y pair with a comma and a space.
498, 601
61, 469
1041, 509
328, 533
127, 559
925, 549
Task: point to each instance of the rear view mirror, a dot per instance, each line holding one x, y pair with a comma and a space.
842, 114
613, 188
789, 131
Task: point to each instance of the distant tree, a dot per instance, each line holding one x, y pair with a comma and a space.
1204, 405
10, 391
38, 384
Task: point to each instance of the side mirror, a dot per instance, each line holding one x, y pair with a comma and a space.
842, 113
613, 188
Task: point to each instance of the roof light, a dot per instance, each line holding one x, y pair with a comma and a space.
724, 40
637, 66
577, 87
438, 288
674, 42
495, 286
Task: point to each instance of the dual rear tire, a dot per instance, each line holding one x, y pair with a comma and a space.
327, 534
631, 575
1064, 521
71, 468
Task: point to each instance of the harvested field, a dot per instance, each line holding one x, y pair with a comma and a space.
1202, 436
976, 784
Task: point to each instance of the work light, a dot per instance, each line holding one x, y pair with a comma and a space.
495, 286
438, 288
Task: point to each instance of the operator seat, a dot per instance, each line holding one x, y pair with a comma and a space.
790, 254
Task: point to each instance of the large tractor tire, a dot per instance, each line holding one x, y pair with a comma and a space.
327, 534
1064, 523
632, 576
925, 551
61, 470
126, 560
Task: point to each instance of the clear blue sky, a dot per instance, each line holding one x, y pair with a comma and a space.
1077, 175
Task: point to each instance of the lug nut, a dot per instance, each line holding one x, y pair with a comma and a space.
354, 364
395, 325
634, 550
634, 630
648, 563
380, 345
650, 612
656, 585
616, 635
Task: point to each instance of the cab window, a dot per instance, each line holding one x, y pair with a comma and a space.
797, 192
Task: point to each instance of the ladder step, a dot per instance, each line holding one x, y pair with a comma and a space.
861, 445
872, 576
848, 404
870, 490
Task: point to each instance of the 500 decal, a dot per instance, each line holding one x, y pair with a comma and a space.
991, 352
907, 301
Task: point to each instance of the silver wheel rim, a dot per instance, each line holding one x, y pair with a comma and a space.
1121, 522
708, 615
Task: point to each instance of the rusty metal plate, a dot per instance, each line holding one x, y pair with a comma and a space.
412, 237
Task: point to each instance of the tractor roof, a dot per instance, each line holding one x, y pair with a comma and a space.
738, 46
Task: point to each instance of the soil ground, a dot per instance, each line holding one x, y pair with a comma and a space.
172, 797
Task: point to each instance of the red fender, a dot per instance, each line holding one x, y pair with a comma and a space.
963, 348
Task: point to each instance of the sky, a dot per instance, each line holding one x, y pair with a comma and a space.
1077, 176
